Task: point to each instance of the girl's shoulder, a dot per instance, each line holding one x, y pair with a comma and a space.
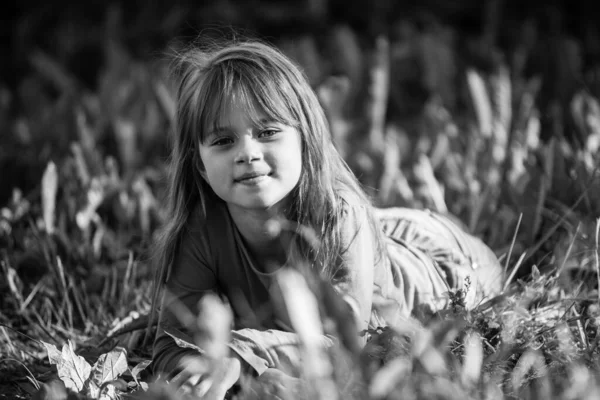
353, 210
351, 201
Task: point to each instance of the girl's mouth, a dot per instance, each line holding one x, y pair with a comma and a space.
252, 179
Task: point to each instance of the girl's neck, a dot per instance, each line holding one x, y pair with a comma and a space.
266, 246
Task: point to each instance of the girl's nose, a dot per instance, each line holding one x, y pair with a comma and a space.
248, 150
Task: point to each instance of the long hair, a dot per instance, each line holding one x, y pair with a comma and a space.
261, 77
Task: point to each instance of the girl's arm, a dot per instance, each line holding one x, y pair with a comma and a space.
190, 279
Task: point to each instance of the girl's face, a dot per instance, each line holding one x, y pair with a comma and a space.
250, 166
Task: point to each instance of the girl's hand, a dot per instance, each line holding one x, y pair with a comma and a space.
207, 380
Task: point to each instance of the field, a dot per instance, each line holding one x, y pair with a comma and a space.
487, 134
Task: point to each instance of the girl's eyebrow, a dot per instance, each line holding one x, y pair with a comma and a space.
214, 133
220, 129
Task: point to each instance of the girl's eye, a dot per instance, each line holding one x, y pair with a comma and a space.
222, 141
265, 133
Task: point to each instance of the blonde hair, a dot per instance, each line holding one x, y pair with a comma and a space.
260, 76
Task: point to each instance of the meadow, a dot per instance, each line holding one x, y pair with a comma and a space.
509, 148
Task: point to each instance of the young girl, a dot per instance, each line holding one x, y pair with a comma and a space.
251, 146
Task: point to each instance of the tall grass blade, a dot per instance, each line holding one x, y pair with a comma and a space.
49, 189
568, 252
597, 255
512, 244
514, 271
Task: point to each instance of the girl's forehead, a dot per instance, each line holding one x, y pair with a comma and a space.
242, 108
236, 113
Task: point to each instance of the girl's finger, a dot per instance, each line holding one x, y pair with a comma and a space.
195, 365
224, 375
202, 387
185, 381
192, 366
178, 379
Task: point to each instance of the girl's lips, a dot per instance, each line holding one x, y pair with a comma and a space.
252, 180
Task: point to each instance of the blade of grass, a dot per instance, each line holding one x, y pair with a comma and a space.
31, 295
66, 300
480, 101
128, 273
49, 189
514, 271
379, 92
512, 244
568, 253
11, 346
76, 298
41, 325
35, 381
480, 204
20, 333
13, 281
545, 183
597, 257
53, 71
558, 223
580, 330
114, 283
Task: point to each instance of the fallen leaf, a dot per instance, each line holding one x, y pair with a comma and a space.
54, 354
109, 366
73, 370
109, 393
135, 372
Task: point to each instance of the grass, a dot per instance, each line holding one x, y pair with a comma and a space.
74, 248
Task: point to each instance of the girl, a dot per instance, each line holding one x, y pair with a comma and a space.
252, 145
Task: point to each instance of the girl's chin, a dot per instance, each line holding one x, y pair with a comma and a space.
272, 205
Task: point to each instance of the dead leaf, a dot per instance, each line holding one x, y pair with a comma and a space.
110, 392
54, 354
135, 372
73, 370
109, 366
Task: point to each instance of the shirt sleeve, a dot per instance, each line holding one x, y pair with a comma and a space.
272, 349
191, 278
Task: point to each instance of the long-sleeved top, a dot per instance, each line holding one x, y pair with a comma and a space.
425, 256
